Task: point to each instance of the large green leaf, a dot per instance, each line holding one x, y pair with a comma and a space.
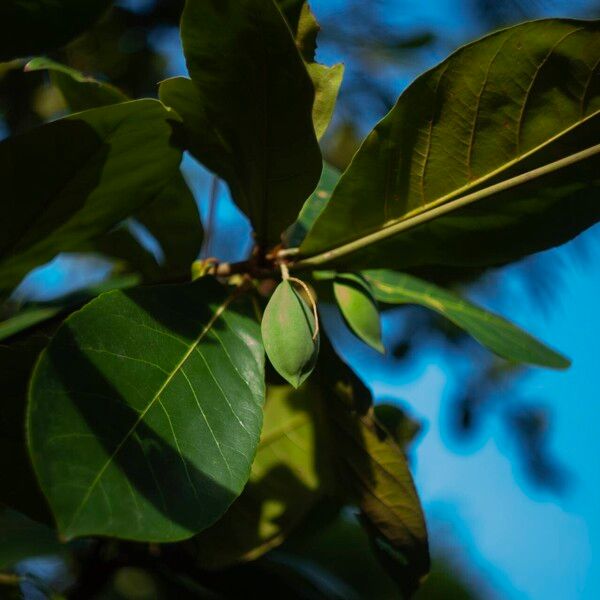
172, 219
288, 478
488, 157
258, 98
74, 179
22, 538
494, 332
30, 27
80, 91
145, 411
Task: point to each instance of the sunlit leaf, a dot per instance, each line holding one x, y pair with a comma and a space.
490, 156
313, 206
494, 332
257, 96
145, 411
354, 297
71, 180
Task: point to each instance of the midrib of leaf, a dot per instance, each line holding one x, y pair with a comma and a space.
156, 398
450, 202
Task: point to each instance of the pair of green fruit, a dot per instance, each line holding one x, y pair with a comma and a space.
290, 334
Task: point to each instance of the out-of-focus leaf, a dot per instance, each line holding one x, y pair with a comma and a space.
29, 27
22, 538
80, 92
313, 206
288, 478
489, 157
71, 180
145, 411
403, 427
39, 312
257, 97
327, 82
494, 332
172, 219
355, 300
288, 332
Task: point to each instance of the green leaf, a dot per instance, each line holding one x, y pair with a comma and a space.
288, 327
90, 171
490, 330
22, 538
30, 27
172, 219
40, 312
288, 478
490, 156
145, 411
313, 206
375, 472
327, 82
403, 427
359, 308
257, 96
79, 91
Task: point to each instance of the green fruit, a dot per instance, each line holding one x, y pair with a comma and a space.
288, 327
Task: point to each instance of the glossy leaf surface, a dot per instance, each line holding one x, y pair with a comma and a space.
288, 327
258, 97
145, 412
494, 332
36, 26
355, 300
92, 170
495, 115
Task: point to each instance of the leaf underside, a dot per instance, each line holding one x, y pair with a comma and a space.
490, 330
500, 107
